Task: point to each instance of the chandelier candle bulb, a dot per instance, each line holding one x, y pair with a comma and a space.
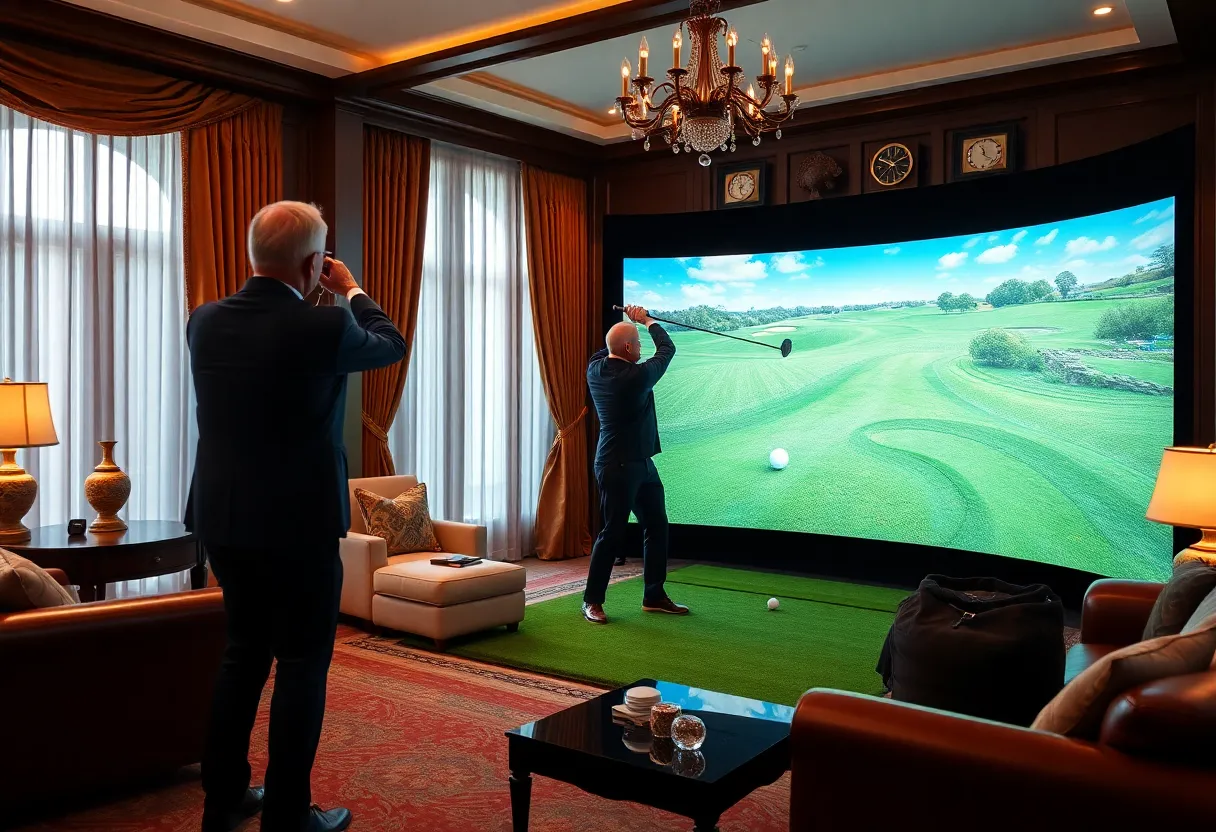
765, 46
625, 70
751, 93
789, 74
676, 40
732, 38
643, 57
772, 61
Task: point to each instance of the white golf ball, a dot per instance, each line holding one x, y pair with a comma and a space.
773, 603
778, 459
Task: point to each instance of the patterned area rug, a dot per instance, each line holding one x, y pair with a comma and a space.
413, 741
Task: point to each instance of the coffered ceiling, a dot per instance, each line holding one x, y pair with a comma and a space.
842, 48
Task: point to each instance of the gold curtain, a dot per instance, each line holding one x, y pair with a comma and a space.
232, 168
555, 211
396, 180
232, 148
98, 97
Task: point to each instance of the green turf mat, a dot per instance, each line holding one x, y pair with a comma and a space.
767, 584
730, 643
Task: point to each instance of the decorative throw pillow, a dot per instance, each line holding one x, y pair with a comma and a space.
1078, 710
404, 522
24, 585
1188, 585
1199, 618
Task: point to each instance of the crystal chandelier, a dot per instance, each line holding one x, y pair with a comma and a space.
703, 107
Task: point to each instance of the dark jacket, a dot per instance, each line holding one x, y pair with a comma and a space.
270, 380
624, 401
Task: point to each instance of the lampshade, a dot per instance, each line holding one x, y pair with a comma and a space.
25, 415
1185, 494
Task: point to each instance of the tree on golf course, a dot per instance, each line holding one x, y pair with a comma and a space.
1137, 320
1001, 348
1011, 292
965, 303
1163, 260
945, 301
1040, 289
1066, 282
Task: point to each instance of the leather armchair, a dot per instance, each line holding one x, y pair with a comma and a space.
362, 554
105, 694
861, 762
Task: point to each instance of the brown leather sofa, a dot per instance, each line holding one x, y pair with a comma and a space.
102, 695
861, 762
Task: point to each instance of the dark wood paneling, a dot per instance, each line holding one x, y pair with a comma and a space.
579, 30
654, 192
1194, 22
1088, 132
1205, 264
81, 31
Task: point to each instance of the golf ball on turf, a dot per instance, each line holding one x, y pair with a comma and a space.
778, 459
773, 603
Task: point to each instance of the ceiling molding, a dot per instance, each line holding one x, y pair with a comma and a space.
524, 93
60, 25
286, 26
542, 39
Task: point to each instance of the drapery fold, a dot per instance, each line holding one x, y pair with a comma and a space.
555, 209
396, 177
233, 168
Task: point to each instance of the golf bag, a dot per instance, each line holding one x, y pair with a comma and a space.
976, 646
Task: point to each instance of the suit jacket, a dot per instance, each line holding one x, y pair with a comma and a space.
270, 380
623, 394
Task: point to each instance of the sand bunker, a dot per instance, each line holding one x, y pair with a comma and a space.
1034, 330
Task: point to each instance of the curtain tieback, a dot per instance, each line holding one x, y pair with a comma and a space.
374, 429
561, 434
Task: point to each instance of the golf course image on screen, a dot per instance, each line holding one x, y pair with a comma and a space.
1007, 393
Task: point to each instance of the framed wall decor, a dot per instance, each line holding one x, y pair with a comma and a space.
741, 185
984, 151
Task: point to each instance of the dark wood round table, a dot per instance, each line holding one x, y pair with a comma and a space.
146, 549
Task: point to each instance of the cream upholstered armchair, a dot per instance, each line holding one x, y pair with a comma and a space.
362, 554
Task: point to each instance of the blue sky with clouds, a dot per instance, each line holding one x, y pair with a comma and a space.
1093, 248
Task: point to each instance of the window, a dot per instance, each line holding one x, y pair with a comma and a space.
92, 301
474, 424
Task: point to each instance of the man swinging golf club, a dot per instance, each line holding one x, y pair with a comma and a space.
622, 390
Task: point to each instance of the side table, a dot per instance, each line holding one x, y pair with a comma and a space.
146, 549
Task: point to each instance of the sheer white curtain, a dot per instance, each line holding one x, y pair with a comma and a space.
473, 423
92, 301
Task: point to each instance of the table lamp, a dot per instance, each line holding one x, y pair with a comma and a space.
1185, 495
25, 422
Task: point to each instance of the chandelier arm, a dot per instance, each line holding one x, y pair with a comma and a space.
659, 113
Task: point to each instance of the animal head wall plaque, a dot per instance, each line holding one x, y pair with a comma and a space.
818, 171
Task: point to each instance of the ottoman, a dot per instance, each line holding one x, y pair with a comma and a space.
442, 602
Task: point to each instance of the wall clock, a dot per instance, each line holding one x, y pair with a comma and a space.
891, 164
980, 151
742, 185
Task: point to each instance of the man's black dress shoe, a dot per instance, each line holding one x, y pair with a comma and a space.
226, 821
619, 561
327, 820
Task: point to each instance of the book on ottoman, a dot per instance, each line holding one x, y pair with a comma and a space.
455, 560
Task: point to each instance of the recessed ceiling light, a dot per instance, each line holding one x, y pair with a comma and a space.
1101, 10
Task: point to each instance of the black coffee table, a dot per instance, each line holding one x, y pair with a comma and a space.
746, 747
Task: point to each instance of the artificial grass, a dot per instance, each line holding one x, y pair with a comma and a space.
880, 599
730, 643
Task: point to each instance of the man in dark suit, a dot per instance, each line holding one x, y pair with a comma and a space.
269, 502
623, 393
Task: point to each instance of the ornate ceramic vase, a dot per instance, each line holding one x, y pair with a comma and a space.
107, 490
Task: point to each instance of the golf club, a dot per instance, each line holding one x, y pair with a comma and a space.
785, 347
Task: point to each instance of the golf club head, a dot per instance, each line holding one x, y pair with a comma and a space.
786, 347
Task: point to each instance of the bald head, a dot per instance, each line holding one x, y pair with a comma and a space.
287, 242
623, 342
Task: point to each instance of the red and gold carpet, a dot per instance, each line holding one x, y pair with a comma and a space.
414, 740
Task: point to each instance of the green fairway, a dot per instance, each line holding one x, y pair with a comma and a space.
894, 433
731, 642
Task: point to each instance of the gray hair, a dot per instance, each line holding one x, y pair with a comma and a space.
283, 234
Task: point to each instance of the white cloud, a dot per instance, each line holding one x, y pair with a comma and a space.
973, 242
992, 238
993, 280
728, 268
632, 284
1076, 264
952, 260
1154, 214
649, 298
1021, 235
1048, 238
1135, 260
700, 293
1155, 236
998, 254
891, 250
789, 263
1088, 245
683, 259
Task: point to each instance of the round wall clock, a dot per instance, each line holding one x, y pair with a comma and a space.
985, 154
741, 186
892, 164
